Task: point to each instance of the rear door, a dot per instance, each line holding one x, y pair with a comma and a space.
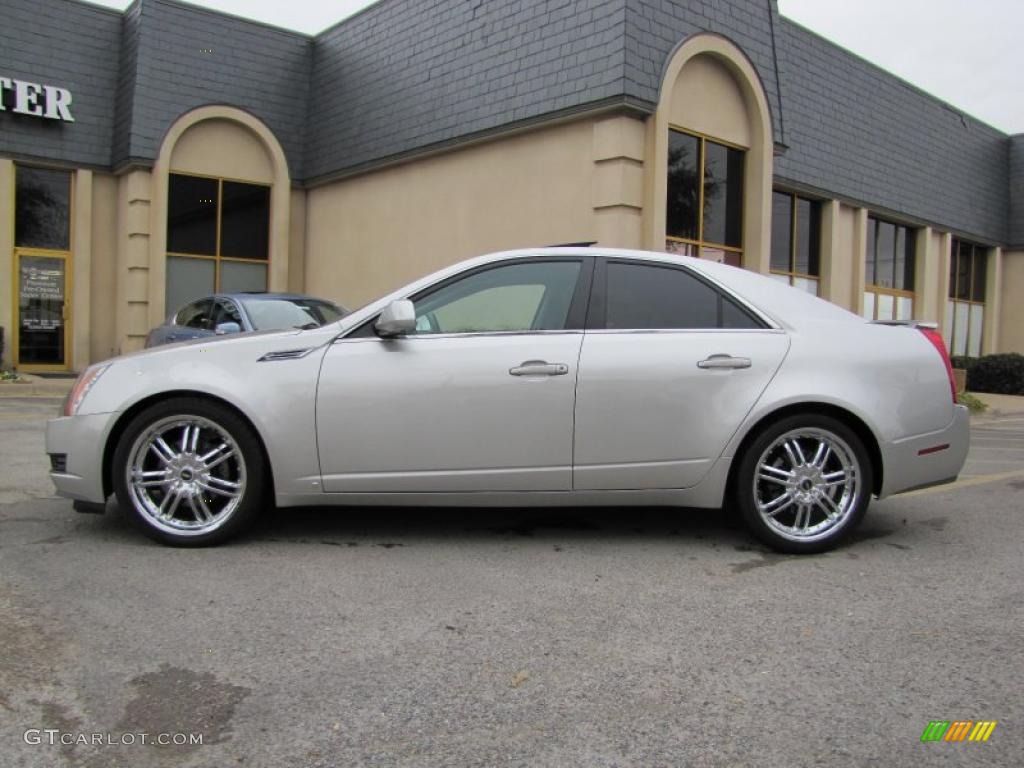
670, 366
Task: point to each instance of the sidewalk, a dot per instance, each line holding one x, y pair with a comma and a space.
1000, 406
35, 386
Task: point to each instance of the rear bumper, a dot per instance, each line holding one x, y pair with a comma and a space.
80, 439
930, 459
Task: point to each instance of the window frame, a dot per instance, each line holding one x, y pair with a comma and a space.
700, 243
977, 249
881, 290
792, 274
217, 258
597, 311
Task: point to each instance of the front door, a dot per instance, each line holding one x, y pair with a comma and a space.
42, 323
480, 398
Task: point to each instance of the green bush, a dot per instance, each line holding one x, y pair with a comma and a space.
997, 374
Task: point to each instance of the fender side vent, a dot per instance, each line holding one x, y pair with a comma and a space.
287, 354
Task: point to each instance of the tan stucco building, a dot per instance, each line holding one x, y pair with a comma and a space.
209, 153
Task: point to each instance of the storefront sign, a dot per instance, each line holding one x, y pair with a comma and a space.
25, 98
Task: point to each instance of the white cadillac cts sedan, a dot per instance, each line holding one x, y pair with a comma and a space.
531, 378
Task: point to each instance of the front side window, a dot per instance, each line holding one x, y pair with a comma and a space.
889, 271
195, 315
796, 241
704, 213
647, 296
532, 296
218, 235
965, 310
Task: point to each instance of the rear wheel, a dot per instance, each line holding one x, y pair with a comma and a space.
189, 472
804, 484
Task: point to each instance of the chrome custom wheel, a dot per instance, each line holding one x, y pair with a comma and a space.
187, 474
189, 471
805, 483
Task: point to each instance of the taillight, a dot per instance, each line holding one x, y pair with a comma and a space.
935, 338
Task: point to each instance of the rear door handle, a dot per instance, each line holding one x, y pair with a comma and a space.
720, 362
539, 368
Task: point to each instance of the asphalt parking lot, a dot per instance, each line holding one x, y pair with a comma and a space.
523, 638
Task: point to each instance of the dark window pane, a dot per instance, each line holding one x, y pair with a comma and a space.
642, 296
723, 194
884, 254
808, 237
683, 185
906, 258
736, 318
954, 258
225, 311
192, 215
963, 276
899, 263
245, 220
782, 231
980, 274
42, 208
870, 253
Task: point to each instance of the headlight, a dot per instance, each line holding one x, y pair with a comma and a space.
83, 384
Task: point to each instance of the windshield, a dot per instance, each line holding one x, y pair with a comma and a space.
273, 313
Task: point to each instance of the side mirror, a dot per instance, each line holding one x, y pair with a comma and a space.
398, 318
226, 328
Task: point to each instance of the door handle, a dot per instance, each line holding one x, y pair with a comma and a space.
539, 368
724, 362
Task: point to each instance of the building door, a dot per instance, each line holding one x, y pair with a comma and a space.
43, 327
42, 259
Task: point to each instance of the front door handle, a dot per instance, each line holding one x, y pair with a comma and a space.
539, 368
720, 362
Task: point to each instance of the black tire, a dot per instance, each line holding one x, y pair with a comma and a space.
218, 512
800, 498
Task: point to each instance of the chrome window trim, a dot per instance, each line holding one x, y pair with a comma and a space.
473, 334
606, 331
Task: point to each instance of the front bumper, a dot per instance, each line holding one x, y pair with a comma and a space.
80, 439
921, 461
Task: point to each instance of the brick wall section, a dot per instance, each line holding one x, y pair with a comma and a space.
406, 74
79, 52
856, 131
1016, 236
253, 66
655, 27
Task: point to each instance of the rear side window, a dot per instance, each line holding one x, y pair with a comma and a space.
647, 296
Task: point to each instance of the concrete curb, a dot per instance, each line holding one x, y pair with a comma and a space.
35, 386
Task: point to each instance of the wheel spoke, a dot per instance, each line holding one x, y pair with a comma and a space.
167, 510
828, 506
207, 456
220, 459
796, 457
803, 517
773, 512
774, 503
834, 479
153, 479
821, 455
204, 509
222, 488
163, 451
193, 444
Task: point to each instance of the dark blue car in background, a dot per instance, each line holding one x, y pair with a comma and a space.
225, 313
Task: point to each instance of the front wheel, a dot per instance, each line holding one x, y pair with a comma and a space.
804, 484
189, 472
